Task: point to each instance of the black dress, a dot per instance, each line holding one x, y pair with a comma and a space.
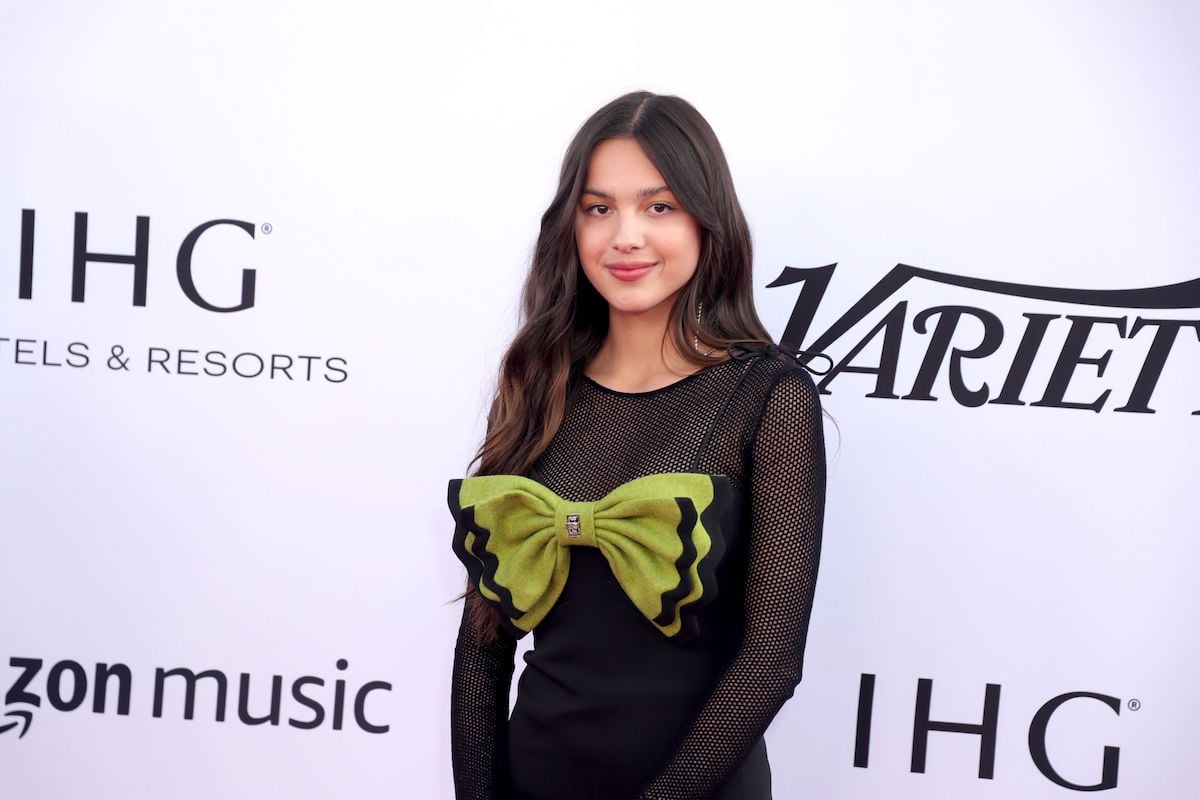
607, 706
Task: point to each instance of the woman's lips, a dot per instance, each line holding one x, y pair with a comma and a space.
629, 271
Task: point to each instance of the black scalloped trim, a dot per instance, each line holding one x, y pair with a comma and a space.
481, 565
686, 530
714, 518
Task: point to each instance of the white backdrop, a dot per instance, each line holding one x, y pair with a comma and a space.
392, 162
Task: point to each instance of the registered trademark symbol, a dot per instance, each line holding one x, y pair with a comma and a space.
1135, 704
266, 227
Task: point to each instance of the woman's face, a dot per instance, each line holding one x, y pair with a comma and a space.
638, 247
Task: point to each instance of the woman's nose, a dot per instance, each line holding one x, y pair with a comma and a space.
629, 234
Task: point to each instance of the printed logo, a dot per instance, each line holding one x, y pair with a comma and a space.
1060, 342
986, 729
68, 685
250, 363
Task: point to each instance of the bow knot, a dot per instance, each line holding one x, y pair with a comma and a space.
743, 352
578, 526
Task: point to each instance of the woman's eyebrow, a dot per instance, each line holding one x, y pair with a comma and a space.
649, 191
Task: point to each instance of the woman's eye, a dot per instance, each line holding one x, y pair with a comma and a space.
597, 209
661, 208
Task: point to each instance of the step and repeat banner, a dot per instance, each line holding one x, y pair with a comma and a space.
258, 262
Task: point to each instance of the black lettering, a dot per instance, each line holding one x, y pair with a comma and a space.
82, 257
1156, 358
284, 369
1037, 744
308, 702
329, 365
256, 357
16, 693
208, 358
100, 687
25, 276
360, 703
939, 344
244, 701
78, 350
22, 350
190, 678
180, 362
46, 362
308, 365
183, 268
893, 327
816, 281
1018, 373
1072, 356
78, 685
339, 696
162, 362
862, 729
986, 730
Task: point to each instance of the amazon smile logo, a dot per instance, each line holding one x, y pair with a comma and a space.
67, 686
1003, 354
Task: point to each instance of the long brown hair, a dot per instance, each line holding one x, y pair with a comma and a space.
564, 320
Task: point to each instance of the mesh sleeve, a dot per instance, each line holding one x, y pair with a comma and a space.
479, 691
787, 488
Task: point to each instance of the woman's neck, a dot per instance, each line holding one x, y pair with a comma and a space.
634, 356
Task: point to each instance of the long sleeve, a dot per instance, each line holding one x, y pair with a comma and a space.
787, 488
479, 692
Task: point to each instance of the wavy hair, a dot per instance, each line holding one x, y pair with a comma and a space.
564, 320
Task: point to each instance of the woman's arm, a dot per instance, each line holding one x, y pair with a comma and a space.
787, 493
479, 711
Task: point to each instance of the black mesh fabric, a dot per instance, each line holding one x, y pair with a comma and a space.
480, 685
607, 707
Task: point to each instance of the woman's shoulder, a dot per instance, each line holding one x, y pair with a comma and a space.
783, 376
778, 364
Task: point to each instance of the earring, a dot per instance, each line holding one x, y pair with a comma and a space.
696, 338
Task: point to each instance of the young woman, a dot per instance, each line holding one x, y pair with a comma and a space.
649, 496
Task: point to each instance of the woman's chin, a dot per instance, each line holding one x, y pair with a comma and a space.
635, 309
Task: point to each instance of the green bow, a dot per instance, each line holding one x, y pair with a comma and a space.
661, 534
